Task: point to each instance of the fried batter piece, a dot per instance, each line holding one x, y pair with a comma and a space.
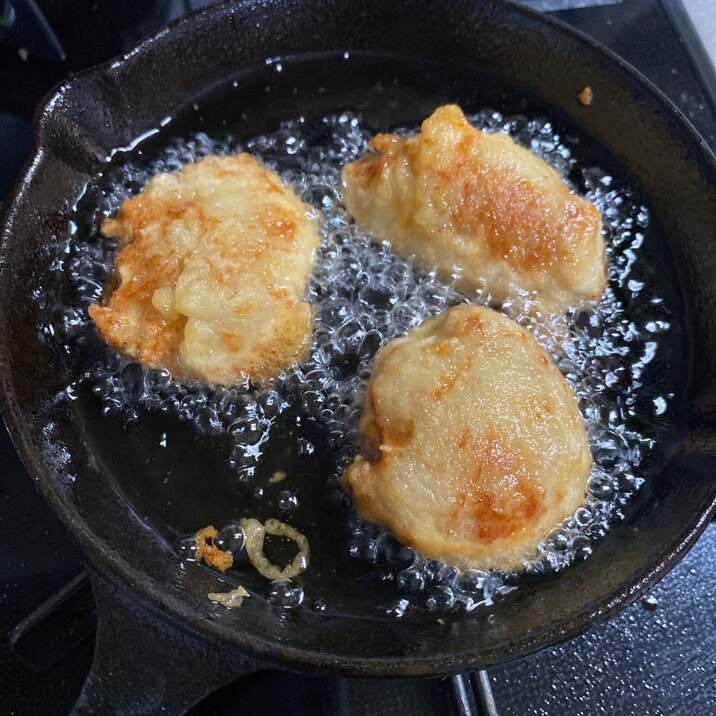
213, 272
459, 198
209, 553
474, 446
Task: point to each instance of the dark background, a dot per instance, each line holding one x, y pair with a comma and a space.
657, 657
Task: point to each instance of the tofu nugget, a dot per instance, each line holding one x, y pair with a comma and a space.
474, 446
456, 197
213, 272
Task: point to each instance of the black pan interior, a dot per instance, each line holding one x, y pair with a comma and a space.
115, 507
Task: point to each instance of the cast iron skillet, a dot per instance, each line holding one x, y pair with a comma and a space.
159, 642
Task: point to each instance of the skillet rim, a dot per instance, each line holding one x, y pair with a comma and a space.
103, 554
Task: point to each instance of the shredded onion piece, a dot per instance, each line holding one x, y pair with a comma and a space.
231, 600
254, 536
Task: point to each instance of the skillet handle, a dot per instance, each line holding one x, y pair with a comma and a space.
145, 664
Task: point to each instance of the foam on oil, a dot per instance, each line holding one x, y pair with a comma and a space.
364, 296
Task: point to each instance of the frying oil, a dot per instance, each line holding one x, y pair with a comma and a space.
364, 296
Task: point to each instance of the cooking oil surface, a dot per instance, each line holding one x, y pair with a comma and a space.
186, 455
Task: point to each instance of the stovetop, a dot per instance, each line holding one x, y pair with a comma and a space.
657, 657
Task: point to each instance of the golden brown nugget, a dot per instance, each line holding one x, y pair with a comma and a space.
212, 273
474, 446
208, 552
458, 198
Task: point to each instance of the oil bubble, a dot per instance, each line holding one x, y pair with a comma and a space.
286, 594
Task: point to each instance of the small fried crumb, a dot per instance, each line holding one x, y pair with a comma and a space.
231, 600
586, 96
206, 549
277, 476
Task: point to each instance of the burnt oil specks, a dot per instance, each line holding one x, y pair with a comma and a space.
185, 455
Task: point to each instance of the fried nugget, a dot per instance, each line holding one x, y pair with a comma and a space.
474, 448
458, 198
212, 273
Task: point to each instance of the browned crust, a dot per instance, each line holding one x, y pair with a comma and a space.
531, 230
209, 553
128, 319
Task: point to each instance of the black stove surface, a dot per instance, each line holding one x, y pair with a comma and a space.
657, 657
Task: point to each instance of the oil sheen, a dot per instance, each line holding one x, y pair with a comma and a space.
199, 454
